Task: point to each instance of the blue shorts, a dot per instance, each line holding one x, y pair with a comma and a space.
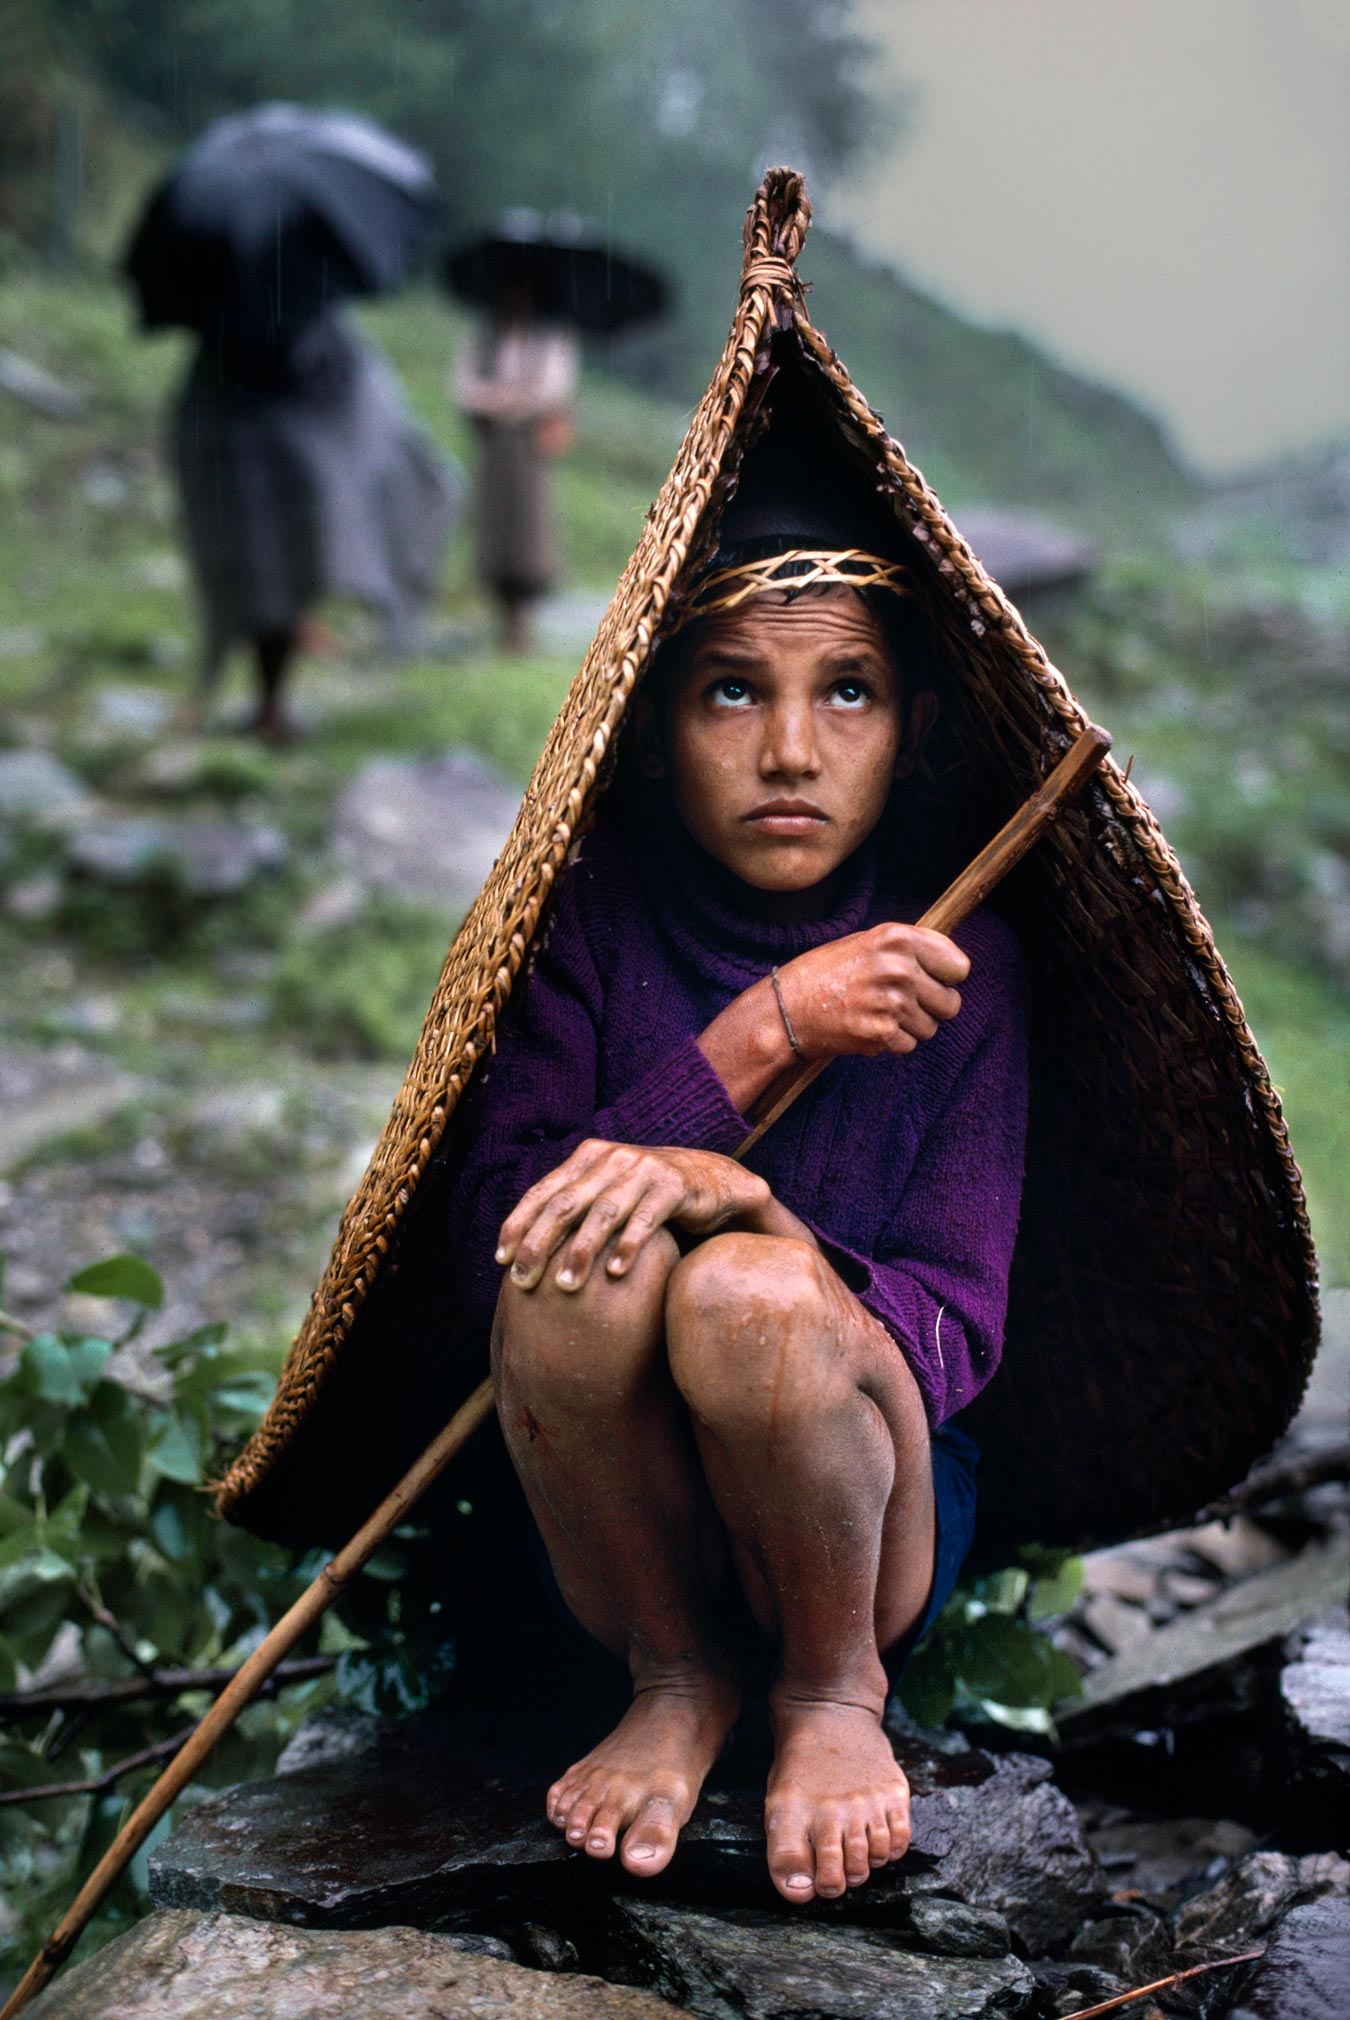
955, 1458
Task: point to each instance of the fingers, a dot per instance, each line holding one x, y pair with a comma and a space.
629, 1211
941, 957
932, 952
937, 999
562, 1208
649, 1213
583, 1159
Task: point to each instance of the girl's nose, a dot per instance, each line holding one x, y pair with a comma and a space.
789, 747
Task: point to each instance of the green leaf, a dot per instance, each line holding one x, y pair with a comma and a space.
33, 1593
121, 1276
17, 1543
63, 1372
1029, 1718
999, 1591
177, 1451
1056, 1594
927, 1687
1001, 1659
103, 1444
63, 1528
195, 1342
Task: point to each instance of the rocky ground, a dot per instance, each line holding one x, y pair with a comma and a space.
411, 1870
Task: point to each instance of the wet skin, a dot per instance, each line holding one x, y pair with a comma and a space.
728, 1430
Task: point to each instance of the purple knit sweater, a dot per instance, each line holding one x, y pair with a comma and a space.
907, 1170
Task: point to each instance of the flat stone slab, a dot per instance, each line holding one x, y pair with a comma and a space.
1315, 1700
427, 829
177, 1965
1025, 552
442, 1824
205, 858
1241, 1908
1254, 1613
1305, 1974
726, 1967
37, 787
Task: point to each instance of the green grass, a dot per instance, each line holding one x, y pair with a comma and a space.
1303, 1029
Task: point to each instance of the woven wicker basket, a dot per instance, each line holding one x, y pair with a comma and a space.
1163, 1312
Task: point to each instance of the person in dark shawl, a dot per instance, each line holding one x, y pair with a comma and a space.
301, 477
732, 1393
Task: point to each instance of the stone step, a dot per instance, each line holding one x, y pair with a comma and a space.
180, 1965
441, 1824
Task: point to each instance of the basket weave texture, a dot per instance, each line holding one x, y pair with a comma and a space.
1163, 1310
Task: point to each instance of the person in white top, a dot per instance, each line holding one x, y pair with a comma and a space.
516, 379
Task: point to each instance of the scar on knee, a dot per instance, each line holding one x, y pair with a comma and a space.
532, 1427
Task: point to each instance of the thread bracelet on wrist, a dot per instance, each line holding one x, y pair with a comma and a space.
783, 1013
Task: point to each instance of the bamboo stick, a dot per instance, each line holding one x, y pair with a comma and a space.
957, 902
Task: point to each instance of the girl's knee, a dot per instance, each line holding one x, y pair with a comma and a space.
593, 1338
746, 1321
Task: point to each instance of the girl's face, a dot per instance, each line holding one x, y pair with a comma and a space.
785, 730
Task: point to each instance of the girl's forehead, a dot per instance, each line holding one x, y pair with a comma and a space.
777, 622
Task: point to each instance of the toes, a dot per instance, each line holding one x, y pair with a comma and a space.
602, 1833
830, 1880
897, 1822
579, 1816
878, 1842
857, 1854
649, 1844
792, 1863
558, 1802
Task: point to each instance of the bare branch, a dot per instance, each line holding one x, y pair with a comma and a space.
160, 1683
114, 1627
97, 1785
1160, 1985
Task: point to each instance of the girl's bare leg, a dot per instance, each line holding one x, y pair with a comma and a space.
815, 1447
602, 1444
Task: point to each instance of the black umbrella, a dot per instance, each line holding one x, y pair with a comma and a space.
274, 214
562, 266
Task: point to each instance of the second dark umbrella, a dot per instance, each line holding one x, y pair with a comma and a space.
564, 269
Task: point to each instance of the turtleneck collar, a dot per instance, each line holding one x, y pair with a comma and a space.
716, 922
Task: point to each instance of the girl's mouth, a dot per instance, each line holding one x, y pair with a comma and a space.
787, 817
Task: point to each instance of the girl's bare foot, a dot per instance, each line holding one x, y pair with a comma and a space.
641, 1783
837, 1804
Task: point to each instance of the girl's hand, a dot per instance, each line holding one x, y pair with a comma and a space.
880, 991
617, 1196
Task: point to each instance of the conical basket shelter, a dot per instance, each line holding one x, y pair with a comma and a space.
1162, 1315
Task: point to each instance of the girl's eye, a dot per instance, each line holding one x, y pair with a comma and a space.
729, 692
852, 693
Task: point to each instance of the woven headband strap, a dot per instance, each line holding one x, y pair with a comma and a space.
729, 588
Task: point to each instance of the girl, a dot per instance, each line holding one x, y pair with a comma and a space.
728, 1390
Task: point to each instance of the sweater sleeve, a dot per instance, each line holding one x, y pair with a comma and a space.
939, 1282
537, 1098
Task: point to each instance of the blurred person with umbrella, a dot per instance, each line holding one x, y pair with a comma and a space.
301, 474
540, 283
